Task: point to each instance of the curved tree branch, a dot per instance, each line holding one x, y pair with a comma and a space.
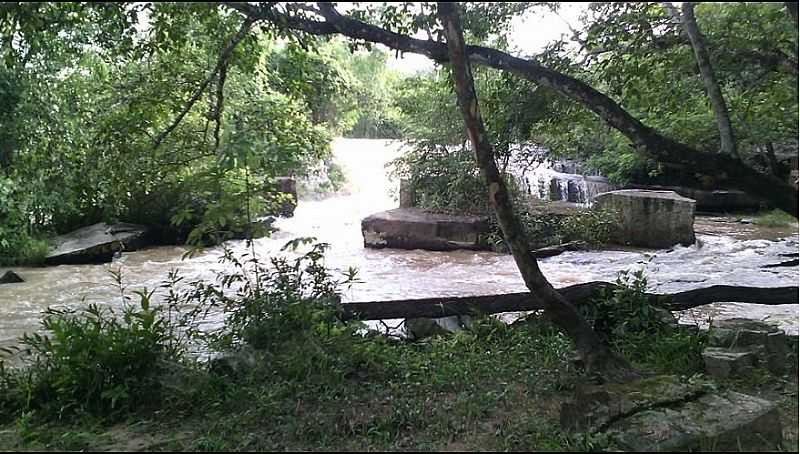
222, 61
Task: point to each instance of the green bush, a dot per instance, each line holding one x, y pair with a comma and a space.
92, 361
592, 226
775, 218
643, 332
444, 180
272, 302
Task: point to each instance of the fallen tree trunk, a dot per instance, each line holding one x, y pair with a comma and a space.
794, 262
576, 294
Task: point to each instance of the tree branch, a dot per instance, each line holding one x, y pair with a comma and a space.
224, 56
729, 171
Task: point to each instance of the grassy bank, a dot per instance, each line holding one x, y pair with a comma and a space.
293, 377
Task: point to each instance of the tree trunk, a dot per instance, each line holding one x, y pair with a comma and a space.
730, 171
791, 7
772, 160
727, 139
597, 356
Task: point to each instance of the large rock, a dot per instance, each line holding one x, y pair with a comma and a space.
10, 277
727, 363
413, 228
767, 343
96, 243
653, 219
670, 414
724, 422
420, 328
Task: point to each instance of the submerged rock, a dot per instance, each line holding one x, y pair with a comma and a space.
413, 228
652, 219
10, 277
96, 243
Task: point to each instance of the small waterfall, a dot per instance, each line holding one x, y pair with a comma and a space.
560, 181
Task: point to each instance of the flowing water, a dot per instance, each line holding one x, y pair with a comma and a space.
726, 253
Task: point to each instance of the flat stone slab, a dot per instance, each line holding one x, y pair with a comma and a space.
414, 228
652, 219
96, 243
725, 363
768, 343
594, 407
668, 413
728, 422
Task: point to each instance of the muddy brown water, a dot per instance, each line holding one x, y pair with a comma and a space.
726, 252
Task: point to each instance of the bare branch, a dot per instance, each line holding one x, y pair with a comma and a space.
224, 56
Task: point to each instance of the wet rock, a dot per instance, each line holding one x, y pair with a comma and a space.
670, 414
420, 328
726, 363
653, 219
10, 277
96, 243
413, 228
286, 189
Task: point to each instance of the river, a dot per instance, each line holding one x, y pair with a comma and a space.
726, 252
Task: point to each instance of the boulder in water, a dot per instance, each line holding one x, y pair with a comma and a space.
414, 228
287, 188
652, 219
96, 243
10, 277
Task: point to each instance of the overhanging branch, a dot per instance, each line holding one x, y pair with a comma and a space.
224, 56
728, 170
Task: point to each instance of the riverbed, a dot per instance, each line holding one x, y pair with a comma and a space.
726, 252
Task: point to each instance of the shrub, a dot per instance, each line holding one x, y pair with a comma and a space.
266, 304
644, 332
775, 218
93, 361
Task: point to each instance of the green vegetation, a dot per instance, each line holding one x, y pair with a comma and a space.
102, 125
774, 218
594, 227
290, 375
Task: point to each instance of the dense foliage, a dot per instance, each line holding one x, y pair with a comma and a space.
637, 54
91, 131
